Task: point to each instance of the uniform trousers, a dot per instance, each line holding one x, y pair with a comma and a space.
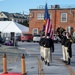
67, 54
63, 52
47, 54
42, 51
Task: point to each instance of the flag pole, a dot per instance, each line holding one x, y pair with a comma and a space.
46, 1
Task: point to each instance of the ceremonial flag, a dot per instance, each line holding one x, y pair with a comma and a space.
48, 27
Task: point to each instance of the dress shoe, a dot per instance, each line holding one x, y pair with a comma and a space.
48, 64
41, 58
45, 62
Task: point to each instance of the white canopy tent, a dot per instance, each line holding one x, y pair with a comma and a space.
9, 30
10, 26
7, 27
3, 25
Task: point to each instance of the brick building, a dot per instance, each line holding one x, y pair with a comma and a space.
64, 17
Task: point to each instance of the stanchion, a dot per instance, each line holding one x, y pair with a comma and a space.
4, 64
23, 65
5, 67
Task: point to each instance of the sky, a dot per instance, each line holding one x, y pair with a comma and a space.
18, 6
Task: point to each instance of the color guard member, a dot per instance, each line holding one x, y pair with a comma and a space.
68, 48
47, 49
63, 40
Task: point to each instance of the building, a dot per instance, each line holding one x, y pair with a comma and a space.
4, 16
64, 17
17, 17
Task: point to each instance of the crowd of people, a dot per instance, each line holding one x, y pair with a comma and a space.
47, 47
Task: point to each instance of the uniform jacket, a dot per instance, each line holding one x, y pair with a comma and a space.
48, 43
68, 44
42, 41
63, 40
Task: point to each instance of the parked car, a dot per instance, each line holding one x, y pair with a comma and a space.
18, 38
56, 38
36, 38
26, 37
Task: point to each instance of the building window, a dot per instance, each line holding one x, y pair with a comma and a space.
63, 17
40, 16
35, 31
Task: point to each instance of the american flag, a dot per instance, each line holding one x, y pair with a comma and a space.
52, 6
48, 27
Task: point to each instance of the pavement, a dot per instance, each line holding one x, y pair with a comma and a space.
57, 67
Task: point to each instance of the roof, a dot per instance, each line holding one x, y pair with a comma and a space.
15, 15
6, 13
54, 9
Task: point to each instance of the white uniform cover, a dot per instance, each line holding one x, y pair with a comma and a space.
10, 26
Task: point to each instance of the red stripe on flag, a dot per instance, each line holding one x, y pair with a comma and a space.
49, 27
